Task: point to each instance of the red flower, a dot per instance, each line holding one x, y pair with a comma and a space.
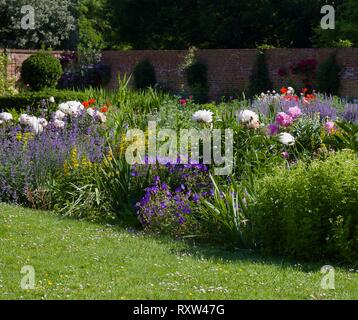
86, 104
91, 101
182, 102
284, 90
104, 109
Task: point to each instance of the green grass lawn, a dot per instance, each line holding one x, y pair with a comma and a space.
84, 260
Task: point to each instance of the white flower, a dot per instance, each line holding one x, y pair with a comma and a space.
72, 108
59, 115
203, 116
5, 116
91, 112
51, 99
248, 116
286, 139
36, 125
42, 122
59, 124
1, 122
24, 119
101, 117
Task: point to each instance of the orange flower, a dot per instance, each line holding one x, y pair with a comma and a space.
104, 109
284, 90
86, 104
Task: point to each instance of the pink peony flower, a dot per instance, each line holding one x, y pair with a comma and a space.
272, 129
294, 112
283, 119
183, 102
330, 127
285, 154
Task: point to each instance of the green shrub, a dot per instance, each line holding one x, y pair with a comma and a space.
41, 70
310, 211
144, 75
259, 78
6, 84
34, 99
328, 76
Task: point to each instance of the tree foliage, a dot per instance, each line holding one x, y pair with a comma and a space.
54, 23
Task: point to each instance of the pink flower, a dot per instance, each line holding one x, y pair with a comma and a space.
294, 112
285, 154
182, 102
283, 119
330, 127
272, 129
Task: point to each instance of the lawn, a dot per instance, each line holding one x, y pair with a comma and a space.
83, 260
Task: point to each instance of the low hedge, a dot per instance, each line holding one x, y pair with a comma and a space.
33, 100
310, 212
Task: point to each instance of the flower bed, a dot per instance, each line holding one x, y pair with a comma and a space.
74, 158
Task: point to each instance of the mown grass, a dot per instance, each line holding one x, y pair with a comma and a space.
83, 260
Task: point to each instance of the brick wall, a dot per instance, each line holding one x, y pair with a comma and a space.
228, 69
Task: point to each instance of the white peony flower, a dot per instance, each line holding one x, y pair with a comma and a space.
59, 115
59, 124
42, 122
101, 117
286, 139
72, 108
5, 116
24, 119
248, 116
1, 122
91, 112
203, 116
51, 100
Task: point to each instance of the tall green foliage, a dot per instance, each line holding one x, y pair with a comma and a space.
260, 77
328, 76
6, 84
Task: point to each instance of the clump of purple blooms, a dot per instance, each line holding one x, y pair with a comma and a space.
169, 206
28, 161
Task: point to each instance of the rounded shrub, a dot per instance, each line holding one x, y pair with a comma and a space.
144, 75
310, 211
41, 70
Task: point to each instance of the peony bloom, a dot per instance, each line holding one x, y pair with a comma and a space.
72, 108
329, 126
58, 124
285, 154
5, 116
283, 119
92, 101
247, 116
101, 117
294, 112
51, 100
283, 90
254, 124
59, 115
286, 139
91, 112
183, 102
24, 119
272, 129
42, 122
205, 116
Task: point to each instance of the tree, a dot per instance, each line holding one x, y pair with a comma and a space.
54, 23
345, 33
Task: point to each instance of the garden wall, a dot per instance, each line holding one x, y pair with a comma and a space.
228, 69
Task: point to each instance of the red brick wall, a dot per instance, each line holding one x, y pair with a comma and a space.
228, 69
